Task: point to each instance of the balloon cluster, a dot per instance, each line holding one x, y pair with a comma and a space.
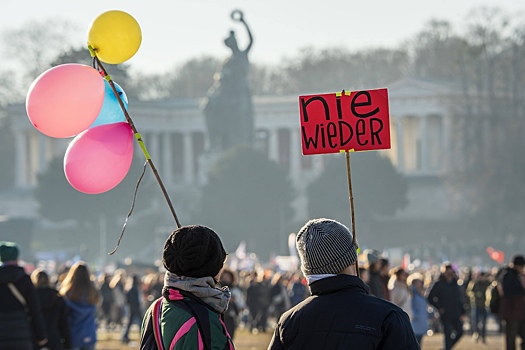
74, 100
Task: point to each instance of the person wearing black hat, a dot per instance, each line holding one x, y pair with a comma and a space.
189, 315
20, 314
445, 297
340, 313
512, 310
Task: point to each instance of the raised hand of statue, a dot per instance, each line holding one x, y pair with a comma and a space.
238, 16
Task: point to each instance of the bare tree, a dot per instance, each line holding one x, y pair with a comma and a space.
10, 91
490, 141
437, 51
335, 69
34, 45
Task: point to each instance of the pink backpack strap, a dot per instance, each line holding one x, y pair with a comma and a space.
156, 314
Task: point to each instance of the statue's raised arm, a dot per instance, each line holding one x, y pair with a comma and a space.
238, 16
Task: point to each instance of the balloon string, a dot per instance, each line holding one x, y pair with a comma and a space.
131, 210
98, 66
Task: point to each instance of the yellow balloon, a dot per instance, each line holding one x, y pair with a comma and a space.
115, 35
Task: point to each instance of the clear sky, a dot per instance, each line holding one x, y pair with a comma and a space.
176, 30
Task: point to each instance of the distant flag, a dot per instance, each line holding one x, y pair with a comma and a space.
405, 262
240, 252
496, 255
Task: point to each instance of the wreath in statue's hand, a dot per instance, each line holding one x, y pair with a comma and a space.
237, 16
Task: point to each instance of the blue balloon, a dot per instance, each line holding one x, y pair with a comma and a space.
111, 111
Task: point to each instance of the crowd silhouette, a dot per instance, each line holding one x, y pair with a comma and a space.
71, 303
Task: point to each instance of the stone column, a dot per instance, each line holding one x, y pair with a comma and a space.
154, 142
189, 176
167, 171
445, 146
151, 140
295, 153
273, 145
400, 145
423, 134
20, 159
42, 153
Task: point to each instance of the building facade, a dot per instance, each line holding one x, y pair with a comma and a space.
174, 132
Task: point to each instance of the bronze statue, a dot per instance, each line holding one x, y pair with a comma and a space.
228, 108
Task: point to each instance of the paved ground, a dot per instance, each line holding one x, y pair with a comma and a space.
246, 341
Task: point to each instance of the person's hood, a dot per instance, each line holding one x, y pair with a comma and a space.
48, 296
11, 273
444, 280
82, 310
414, 291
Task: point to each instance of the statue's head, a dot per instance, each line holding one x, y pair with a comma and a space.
231, 41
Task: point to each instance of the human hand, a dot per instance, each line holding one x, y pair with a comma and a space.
42, 342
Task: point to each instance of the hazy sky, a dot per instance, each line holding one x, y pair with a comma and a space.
175, 30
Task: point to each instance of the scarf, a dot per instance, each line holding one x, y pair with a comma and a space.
203, 288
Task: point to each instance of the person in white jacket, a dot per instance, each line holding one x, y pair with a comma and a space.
400, 291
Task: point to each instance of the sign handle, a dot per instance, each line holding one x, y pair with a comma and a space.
352, 213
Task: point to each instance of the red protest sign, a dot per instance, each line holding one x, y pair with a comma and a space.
345, 121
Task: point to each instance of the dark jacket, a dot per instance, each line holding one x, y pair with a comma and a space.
107, 297
513, 299
133, 298
376, 285
446, 298
477, 292
55, 316
13, 319
341, 314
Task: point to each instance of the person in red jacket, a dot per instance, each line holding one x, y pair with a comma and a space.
340, 313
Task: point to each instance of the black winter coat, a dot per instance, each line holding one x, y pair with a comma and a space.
15, 325
341, 314
133, 298
446, 298
55, 314
513, 299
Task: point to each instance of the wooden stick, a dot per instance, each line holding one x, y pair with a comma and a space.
137, 135
352, 213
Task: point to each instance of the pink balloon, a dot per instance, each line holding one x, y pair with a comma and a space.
99, 158
65, 100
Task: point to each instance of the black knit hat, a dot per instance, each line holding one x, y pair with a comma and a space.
8, 251
325, 247
193, 251
518, 260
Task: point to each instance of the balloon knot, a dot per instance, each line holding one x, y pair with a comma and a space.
92, 51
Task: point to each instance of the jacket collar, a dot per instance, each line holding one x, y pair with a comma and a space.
338, 282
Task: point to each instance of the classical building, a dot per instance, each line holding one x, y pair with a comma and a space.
174, 132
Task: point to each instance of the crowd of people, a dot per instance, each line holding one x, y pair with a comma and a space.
66, 308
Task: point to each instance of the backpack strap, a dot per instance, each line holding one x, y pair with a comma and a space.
17, 294
156, 312
150, 336
199, 310
200, 313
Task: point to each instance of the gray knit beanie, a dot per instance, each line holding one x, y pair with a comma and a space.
325, 247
